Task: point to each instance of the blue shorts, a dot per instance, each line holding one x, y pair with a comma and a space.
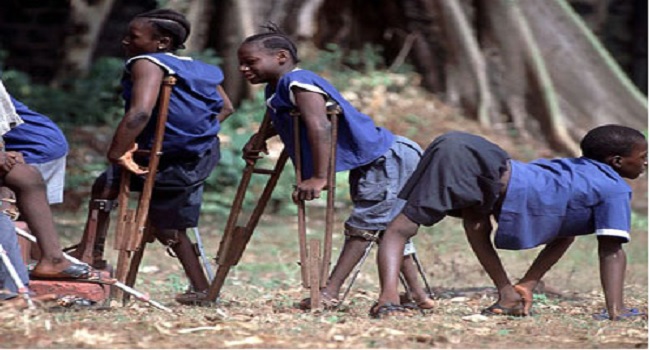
374, 187
178, 191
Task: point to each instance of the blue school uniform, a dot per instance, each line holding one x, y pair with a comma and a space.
360, 141
38, 138
190, 146
192, 122
547, 199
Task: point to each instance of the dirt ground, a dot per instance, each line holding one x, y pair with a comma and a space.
257, 306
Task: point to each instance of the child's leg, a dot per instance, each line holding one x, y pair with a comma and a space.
31, 200
183, 248
390, 257
548, 257
353, 250
477, 229
412, 277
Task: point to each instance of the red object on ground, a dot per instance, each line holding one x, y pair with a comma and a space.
87, 290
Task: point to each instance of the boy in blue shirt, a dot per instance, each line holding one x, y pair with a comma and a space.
379, 162
542, 202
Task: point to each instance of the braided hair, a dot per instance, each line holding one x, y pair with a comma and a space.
169, 22
610, 140
275, 39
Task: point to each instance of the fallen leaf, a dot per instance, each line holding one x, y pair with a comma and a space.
475, 318
254, 340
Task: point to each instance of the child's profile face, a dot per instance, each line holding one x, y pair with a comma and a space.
257, 64
140, 38
634, 164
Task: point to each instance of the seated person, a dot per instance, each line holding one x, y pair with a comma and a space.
28, 185
42, 145
544, 202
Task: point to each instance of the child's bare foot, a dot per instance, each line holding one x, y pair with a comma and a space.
526, 297
60, 269
423, 301
327, 301
510, 303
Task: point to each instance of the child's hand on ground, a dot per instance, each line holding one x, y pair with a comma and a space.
252, 153
309, 189
126, 161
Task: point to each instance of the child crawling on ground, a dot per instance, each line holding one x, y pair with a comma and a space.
544, 202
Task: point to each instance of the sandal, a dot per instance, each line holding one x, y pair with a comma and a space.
627, 314
498, 310
193, 298
388, 309
72, 272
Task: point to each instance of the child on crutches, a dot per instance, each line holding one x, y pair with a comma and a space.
379, 162
190, 149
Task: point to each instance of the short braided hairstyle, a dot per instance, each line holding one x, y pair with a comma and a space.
169, 22
275, 39
610, 140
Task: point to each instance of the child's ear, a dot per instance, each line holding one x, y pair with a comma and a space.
616, 162
283, 56
164, 43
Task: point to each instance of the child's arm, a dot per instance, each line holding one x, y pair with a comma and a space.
227, 108
313, 114
613, 262
147, 78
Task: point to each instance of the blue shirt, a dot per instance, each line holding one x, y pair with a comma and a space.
547, 199
38, 138
359, 141
192, 123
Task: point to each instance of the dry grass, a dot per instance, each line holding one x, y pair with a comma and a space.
258, 311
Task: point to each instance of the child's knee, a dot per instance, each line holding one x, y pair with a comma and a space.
24, 177
360, 234
168, 237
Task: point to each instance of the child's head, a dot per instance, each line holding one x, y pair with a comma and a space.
624, 149
160, 30
265, 57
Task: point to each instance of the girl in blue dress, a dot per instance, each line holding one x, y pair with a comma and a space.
379, 161
197, 107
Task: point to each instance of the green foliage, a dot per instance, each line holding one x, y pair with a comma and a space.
95, 100
90, 100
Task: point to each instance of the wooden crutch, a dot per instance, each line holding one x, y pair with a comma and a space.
132, 231
315, 267
235, 238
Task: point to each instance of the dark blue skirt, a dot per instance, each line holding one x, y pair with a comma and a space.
178, 190
457, 171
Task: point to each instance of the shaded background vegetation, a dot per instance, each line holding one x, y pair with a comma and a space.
63, 58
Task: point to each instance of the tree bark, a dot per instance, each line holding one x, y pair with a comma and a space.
86, 21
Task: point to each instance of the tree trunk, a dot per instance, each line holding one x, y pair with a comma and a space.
529, 64
198, 13
86, 22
